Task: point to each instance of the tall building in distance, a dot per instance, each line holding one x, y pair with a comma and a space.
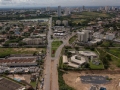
83, 8
107, 8
67, 11
59, 11
47, 8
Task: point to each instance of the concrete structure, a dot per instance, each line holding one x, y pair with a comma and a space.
65, 59
8, 84
78, 60
59, 11
58, 22
98, 35
32, 41
73, 65
67, 11
107, 8
19, 62
90, 55
84, 36
110, 36
47, 8
65, 22
94, 41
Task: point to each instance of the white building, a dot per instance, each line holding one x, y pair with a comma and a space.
32, 41
81, 36
65, 59
98, 35
110, 36
67, 11
107, 8
84, 36
78, 59
58, 22
59, 11
94, 41
47, 8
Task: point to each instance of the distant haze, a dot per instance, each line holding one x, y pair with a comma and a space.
52, 3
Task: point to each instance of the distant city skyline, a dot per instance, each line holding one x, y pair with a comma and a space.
52, 3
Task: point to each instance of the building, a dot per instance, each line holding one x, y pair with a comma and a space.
65, 59
65, 22
95, 41
84, 36
32, 41
107, 8
73, 65
59, 11
47, 8
90, 55
110, 36
19, 62
58, 22
8, 84
98, 35
78, 60
81, 36
67, 11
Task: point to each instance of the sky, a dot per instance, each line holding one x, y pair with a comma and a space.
52, 3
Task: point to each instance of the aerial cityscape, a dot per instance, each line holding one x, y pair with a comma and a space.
59, 45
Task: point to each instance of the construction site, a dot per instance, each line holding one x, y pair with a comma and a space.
87, 80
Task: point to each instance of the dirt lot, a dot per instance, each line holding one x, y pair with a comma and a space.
72, 79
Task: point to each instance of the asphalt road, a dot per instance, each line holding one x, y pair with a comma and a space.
47, 71
51, 74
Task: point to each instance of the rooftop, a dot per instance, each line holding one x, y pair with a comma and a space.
87, 53
6, 84
79, 61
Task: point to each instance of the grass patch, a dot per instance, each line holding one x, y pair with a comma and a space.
87, 15
95, 14
55, 45
79, 20
93, 66
114, 51
114, 61
109, 44
33, 84
7, 51
61, 62
72, 39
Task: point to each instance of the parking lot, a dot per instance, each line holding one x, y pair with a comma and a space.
83, 81
94, 79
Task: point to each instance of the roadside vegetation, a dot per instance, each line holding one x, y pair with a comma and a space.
55, 45
62, 84
33, 84
72, 39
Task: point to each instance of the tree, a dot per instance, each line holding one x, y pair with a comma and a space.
7, 28
51, 36
69, 54
87, 65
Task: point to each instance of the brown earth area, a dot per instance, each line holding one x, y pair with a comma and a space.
73, 79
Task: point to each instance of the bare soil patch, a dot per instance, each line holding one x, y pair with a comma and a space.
73, 79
